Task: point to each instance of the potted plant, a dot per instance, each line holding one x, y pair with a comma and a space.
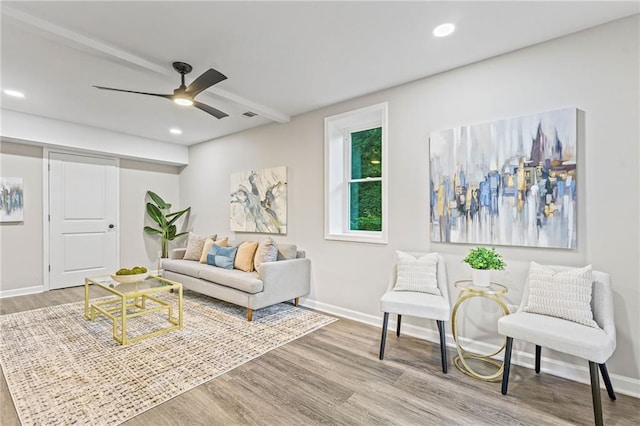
158, 211
483, 261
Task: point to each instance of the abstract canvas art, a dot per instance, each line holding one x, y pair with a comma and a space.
259, 201
11, 199
508, 182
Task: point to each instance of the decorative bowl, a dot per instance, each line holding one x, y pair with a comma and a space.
127, 279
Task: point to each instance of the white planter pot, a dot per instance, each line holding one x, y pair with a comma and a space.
481, 277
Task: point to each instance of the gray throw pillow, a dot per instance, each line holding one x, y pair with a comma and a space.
287, 251
194, 247
267, 252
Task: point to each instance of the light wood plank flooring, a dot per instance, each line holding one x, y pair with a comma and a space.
333, 376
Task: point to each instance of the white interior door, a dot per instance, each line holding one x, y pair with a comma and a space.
83, 208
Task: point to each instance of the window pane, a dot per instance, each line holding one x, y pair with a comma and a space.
366, 206
366, 153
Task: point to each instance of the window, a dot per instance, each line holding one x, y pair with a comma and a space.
355, 182
365, 183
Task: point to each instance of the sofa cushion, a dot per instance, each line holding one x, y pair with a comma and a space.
194, 247
234, 278
207, 246
244, 257
222, 257
287, 251
179, 266
267, 252
205, 250
223, 242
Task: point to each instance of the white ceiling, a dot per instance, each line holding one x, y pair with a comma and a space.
281, 58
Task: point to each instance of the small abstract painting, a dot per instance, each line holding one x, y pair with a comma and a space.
259, 201
11, 199
508, 182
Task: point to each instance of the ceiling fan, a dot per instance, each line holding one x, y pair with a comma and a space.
184, 95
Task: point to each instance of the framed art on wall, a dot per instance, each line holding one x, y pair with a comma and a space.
259, 201
11, 199
507, 182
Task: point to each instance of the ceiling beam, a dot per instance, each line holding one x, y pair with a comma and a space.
75, 39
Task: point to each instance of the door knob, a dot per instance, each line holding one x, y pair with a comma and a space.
111, 226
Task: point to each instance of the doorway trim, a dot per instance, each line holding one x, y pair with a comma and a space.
46, 208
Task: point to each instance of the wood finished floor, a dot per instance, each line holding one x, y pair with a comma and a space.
333, 376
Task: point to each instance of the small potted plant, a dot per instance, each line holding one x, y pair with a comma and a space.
483, 261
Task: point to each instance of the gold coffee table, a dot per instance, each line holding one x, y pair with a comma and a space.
132, 300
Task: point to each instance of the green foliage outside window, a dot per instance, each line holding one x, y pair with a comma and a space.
366, 196
366, 206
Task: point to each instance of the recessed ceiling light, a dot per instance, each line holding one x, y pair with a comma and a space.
444, 30
13, 93
175, 131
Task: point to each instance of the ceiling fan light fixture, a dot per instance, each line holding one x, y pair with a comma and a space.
183, 101
184, 95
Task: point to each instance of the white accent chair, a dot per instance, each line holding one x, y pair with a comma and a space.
593, 344
417, 304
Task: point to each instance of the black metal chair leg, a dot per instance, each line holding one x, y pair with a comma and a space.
595, 393
443, 346
398, 325
507, 365
538, 352
383, 339
607, 381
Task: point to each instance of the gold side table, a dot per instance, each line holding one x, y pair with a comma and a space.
468, 291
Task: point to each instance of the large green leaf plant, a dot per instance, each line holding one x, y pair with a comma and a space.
158, 211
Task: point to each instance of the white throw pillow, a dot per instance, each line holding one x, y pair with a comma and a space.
418, 275
564, 294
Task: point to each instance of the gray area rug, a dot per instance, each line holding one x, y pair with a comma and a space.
64, 369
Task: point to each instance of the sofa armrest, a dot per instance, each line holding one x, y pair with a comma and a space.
177, 253
288, 277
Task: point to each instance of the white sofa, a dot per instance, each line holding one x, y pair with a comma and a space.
288, 278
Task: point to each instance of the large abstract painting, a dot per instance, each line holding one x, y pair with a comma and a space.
259, 201
11, 199
508, 182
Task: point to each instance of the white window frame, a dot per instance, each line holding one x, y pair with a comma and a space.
337, 177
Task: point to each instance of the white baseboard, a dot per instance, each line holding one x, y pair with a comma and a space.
40, 289
21, 291
578, 373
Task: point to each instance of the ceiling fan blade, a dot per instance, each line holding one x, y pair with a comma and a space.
206, 80
133, 91
209, 109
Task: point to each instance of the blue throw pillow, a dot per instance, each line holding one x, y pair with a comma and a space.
222, 257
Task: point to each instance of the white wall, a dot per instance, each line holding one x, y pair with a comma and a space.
21, 244
137, 248
595, 71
